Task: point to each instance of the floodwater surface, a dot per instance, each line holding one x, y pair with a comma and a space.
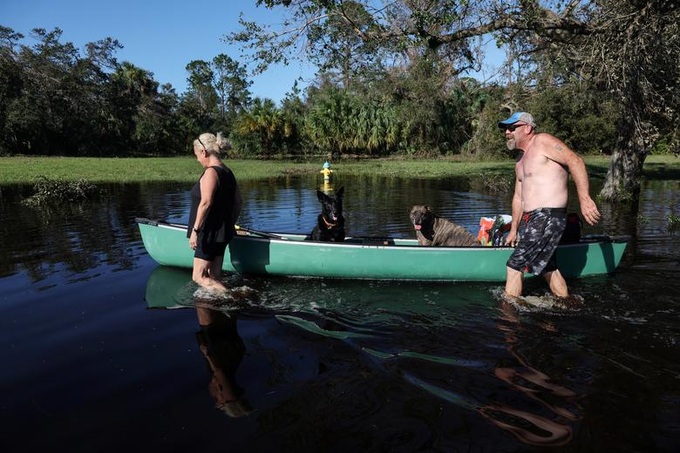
102, 349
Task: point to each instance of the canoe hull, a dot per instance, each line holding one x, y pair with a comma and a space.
369, 258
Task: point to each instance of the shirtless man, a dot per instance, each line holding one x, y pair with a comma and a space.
539, 202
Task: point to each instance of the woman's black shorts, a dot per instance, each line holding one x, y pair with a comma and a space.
209, 250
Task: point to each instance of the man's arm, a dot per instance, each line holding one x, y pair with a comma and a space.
559, 152
511, 238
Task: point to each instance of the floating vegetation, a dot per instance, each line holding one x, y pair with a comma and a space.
496, 183
673, 222
57, 191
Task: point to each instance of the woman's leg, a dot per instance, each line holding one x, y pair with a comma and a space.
204, 275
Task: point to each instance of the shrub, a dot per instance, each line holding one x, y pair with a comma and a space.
56, 191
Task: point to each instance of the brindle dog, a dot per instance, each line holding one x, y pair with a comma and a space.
330, 224
433, 230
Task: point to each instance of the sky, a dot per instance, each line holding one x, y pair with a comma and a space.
160, 36
163, 36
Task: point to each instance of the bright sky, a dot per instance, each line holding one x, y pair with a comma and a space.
160, 36
163, 36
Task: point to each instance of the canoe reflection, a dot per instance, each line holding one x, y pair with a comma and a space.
379, 324
167, 287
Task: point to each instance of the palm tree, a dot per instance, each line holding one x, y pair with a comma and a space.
267, 122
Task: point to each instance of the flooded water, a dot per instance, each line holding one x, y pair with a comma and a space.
102, 350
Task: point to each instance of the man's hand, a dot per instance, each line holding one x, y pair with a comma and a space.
589, 211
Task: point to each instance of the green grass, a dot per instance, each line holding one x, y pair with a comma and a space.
27, 170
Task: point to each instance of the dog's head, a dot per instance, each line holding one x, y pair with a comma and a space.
331, 206
421, 217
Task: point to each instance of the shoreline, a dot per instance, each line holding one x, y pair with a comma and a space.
27, 169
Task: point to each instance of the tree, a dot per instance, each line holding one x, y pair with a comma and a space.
628, 51
628, 46
130, 88
218, 91
58, 100
266, 124
61, 99
294, 111
633, 52
156, 126
231, 84
11, 84
380, 32
341, 122
198, 106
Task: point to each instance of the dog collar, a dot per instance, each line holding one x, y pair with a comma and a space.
328, 224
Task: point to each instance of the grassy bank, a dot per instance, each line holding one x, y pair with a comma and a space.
26, 170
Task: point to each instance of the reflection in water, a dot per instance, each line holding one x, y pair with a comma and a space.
393, 366
377, 345
223, 350
81, 239
527, 426
218, 338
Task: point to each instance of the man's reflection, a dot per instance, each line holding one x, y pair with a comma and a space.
561, 401
223, 350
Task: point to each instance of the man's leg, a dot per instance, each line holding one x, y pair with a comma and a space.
513, 282
557, 284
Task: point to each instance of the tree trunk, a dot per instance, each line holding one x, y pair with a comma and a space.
625, 169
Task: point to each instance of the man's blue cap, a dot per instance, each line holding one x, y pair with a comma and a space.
516, 117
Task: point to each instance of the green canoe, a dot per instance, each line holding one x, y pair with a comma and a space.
263, 253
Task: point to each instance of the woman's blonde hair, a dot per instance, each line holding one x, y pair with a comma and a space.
213, 144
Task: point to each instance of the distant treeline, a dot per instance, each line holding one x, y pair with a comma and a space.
57, 100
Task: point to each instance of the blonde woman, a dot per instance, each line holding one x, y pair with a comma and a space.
215, 207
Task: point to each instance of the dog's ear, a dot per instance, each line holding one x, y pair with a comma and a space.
340, 192
321, 196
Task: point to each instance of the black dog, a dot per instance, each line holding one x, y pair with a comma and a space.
330, 225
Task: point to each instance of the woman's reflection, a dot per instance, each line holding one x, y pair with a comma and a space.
223, 350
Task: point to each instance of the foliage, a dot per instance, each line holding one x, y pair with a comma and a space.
487, 141
294, 110
339, 122
668, 144
57, 191
673, 222
265, 126
57, 100
602, 75
583, 118
627, 50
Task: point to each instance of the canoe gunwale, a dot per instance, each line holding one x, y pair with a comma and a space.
371, 258
378, 241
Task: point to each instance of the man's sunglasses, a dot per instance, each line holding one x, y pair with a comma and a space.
512, 127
